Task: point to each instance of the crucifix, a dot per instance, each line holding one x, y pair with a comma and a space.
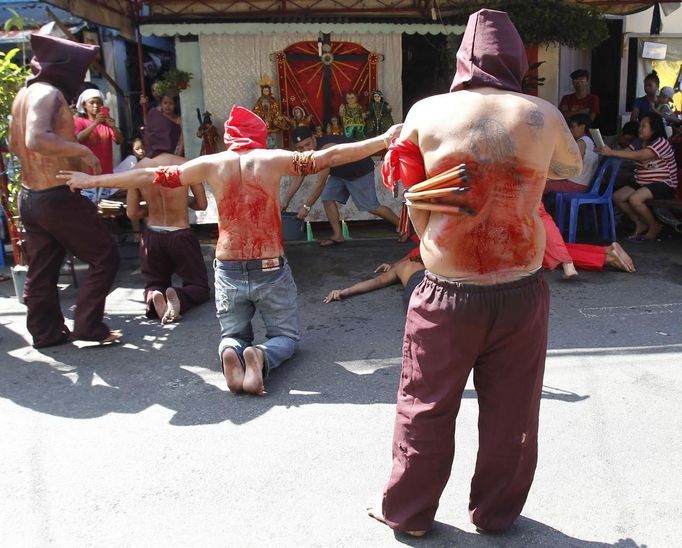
327, 59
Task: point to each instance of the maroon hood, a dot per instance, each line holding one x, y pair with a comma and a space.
491, 53
61, 63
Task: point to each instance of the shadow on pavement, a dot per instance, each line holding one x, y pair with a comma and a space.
526, 533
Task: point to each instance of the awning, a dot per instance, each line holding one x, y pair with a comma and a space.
182, 29
117, 14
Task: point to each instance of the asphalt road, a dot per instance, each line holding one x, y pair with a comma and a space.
140, 444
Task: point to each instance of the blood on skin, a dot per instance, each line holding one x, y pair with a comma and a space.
502, 235
250, 222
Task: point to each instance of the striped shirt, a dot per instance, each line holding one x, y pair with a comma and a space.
661, 169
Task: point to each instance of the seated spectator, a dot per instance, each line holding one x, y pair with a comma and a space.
628, 134
136, 154
662, 107
578, 124
580, 102
646, 103
655, 176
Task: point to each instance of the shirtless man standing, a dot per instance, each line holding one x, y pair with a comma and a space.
483, 304
168, 244
56, 220
251, 271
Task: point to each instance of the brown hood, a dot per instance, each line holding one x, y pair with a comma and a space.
491, 53
61, 63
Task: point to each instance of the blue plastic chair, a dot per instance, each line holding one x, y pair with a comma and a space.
592, 197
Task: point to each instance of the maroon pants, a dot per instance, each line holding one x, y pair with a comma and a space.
500, 332
163, 253
58, 221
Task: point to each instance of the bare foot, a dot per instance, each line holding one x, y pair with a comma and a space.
173, 311
253, 375
232, 369
331, 242
616, 257
640, 229
374, 511
653, 232
159, 302
114, 335
569, 271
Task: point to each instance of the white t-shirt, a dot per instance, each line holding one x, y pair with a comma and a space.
590, 163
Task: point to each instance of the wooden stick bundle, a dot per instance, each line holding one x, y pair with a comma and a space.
437, 193
442, 180
441, 208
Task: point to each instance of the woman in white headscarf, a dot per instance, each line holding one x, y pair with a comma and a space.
95, 128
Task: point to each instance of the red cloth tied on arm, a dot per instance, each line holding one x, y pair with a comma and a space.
403, 162
244, 130
168, 177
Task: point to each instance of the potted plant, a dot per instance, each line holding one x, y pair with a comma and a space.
12, 78
175, 79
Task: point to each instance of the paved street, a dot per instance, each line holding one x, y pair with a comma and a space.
141, 444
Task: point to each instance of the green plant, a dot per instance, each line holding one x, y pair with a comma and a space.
543, 22
175, 79
12, 78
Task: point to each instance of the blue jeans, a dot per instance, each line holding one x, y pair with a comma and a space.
241, 288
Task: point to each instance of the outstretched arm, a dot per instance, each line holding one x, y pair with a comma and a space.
351, 152
383, 280
190, 173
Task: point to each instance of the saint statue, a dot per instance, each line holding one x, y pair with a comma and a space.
352, 117
267, 107
334, 127
299, 118
208, 133
378, 116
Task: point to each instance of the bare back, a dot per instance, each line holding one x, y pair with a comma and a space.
167, 207
41, 105
247, 194
507, 141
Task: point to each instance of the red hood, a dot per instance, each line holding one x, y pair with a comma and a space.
244, 130
491, 53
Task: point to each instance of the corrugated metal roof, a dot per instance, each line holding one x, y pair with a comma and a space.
33, 14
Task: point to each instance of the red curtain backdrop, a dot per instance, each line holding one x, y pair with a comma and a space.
301, 82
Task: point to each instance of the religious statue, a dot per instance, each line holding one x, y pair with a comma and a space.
334, 127
299, 118
378, 116
352, 116
267, 107
208, 133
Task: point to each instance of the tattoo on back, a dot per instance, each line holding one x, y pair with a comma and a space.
564, 170
491, 141
536, 119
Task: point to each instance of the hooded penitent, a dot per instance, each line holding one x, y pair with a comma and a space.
491, 53
244, 130
61, 63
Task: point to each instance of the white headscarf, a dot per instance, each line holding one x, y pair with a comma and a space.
86, 95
